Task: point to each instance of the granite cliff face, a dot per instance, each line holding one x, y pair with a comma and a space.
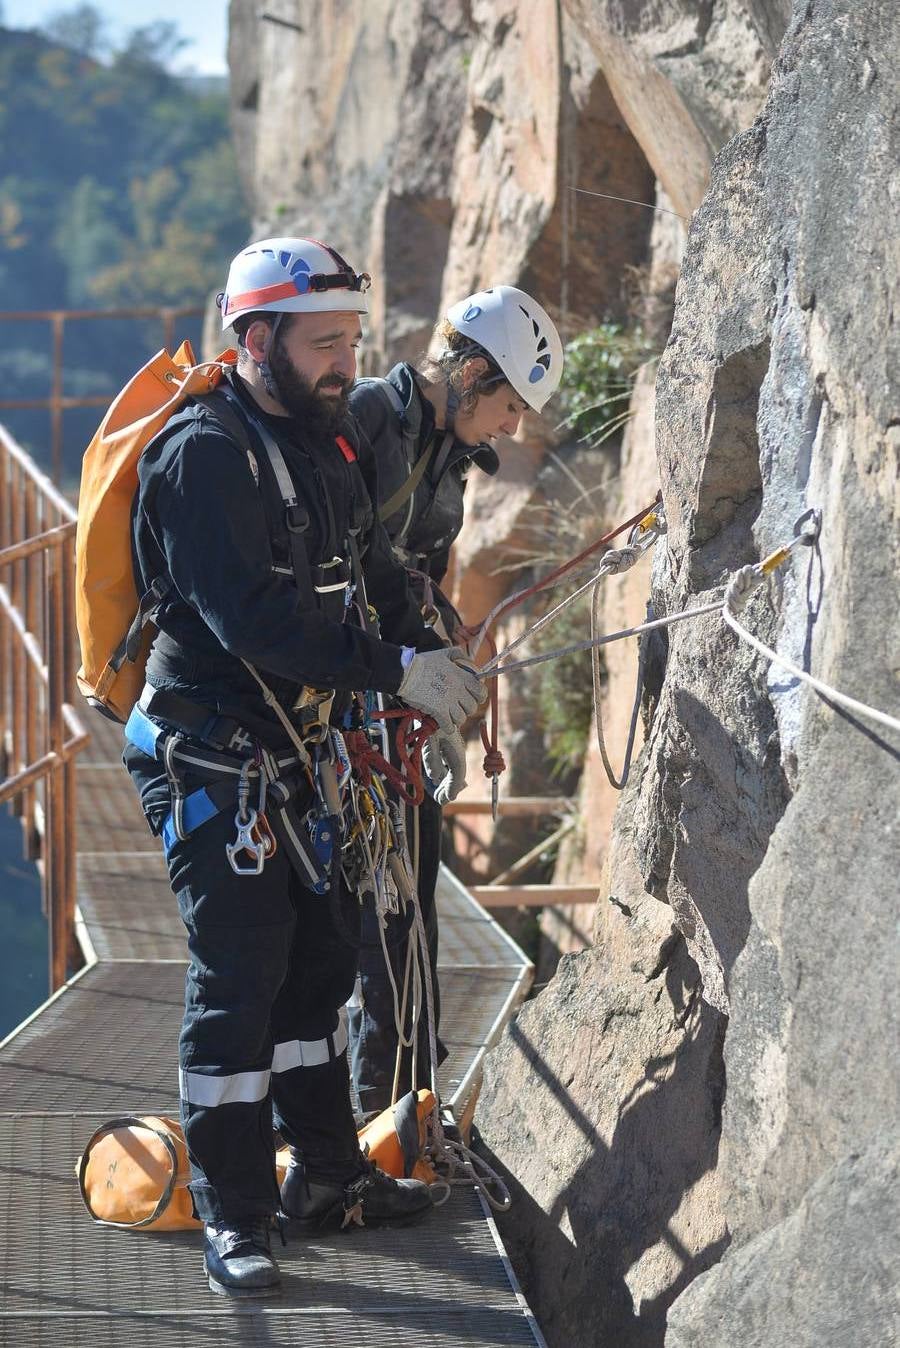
697, 1113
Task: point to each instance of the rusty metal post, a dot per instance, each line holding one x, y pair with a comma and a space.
5, 635
34, 690
56, 397
55, 841
19, 659
70, 864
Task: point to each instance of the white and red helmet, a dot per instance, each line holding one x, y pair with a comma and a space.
289, 276
518, 335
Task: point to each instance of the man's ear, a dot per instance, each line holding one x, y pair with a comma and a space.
257, 339
473, 370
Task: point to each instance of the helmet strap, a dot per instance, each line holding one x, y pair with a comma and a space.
265, 369
452, 407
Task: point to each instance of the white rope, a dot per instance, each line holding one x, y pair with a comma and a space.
462, 1165
493, 667
738, 591
736, 597
617, 783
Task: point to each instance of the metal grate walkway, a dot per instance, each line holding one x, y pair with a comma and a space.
106, 1044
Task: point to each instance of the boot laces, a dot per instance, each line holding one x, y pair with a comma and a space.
254, 1234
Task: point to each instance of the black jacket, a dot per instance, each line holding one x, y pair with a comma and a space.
422, 530
202, 520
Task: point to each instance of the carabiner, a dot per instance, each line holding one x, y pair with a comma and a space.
246, 842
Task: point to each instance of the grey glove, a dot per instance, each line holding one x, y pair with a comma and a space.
442, 684
444, 759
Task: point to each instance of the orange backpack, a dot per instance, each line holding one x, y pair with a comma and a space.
112, 618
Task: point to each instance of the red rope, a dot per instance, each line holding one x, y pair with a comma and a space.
407, 780
494, 762
572, 563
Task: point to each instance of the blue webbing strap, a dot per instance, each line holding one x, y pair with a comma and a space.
198, 807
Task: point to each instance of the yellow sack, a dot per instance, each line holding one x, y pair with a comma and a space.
134, 1174
106, 599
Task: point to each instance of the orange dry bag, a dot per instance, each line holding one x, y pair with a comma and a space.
134, 1174
112, 617
395, 1140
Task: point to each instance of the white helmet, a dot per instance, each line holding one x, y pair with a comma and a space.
289, 276
519, 336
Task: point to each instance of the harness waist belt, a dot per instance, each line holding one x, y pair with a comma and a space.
204, 723
211, 800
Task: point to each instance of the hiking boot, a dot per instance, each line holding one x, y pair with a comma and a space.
238, 1259
366, 1197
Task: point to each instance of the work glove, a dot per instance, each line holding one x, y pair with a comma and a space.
443, 684
444, 759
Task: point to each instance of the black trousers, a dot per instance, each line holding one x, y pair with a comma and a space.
263, 1037
373, 1030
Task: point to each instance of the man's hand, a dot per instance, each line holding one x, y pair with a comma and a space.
444, 759
443, 684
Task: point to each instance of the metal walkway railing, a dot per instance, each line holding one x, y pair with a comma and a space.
40, 732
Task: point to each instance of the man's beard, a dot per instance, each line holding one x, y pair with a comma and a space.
316, 410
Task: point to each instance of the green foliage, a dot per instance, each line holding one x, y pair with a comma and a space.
83, 28
600, 368
564, 695
107, 163
118, 188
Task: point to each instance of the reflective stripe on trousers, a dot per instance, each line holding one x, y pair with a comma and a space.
201, 1088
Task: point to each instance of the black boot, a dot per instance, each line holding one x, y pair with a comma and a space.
239, 1258
366, 1196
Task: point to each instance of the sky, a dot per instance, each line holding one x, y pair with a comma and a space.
204, 23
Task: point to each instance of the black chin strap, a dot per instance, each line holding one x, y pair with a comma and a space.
265, 368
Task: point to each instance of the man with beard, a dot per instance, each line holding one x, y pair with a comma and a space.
254, 527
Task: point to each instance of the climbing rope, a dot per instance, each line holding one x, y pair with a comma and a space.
459, 1164
556, 575
618, 783
409, 739
645, 528
736, 596
737, 592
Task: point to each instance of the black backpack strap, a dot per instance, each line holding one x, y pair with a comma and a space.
228, 410
417, 467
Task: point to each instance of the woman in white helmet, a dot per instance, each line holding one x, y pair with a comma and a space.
498, 354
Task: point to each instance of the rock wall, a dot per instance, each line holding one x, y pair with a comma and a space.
687, 74
763, 823
696, 1109
812, 1100
437, 142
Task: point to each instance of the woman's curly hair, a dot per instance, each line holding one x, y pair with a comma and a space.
456, 350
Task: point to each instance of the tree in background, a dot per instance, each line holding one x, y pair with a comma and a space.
118, 188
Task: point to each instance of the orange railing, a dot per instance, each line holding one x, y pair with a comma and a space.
57, 401
40, 733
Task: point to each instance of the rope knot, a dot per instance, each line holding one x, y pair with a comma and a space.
618, 560
494, 763
741, 586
